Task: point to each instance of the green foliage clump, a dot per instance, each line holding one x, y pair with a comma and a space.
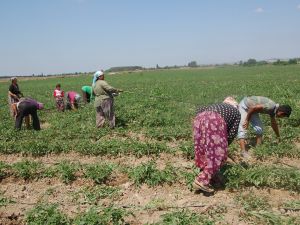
184, 218
257, 210
124, 147
27, 169
292, 205
188, 150
99, 173
149, 174
67, 171
93, 194
3, 170
5, 201
263, 176
189, 176
107, 216
283, 149
269, 218
252, 202
46, 214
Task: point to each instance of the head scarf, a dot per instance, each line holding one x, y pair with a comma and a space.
77, 97
96, 76
231, 101
40, 105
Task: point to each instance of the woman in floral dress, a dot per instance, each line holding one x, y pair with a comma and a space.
215, 127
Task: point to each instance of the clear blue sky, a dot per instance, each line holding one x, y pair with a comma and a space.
58, 36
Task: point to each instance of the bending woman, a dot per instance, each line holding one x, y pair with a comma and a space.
215, 127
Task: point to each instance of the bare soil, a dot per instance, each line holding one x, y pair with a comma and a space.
146, 203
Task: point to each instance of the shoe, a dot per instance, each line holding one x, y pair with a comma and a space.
199, 186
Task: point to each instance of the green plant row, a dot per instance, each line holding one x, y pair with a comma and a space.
50, 214
262, 176
256, 209
65, 170
40, 147
100, 173
236, 175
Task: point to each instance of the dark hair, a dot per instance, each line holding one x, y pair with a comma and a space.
58, 85
286, 109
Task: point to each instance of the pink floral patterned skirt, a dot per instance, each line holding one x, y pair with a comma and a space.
210, 144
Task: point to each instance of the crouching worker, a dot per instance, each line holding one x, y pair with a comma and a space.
87, 94
250, 108
104, 101
215, 127
24, 108
73, 99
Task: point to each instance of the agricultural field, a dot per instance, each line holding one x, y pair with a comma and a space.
141, 172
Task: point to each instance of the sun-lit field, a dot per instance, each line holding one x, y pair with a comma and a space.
141, 171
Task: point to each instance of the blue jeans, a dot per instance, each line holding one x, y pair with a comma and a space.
254, 121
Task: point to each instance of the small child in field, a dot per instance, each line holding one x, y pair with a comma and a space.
58, 94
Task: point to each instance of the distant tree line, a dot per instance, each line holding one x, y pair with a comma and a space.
124, 68
191, 64
254, 62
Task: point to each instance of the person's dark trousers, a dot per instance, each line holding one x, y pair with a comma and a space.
88, 97
26, 109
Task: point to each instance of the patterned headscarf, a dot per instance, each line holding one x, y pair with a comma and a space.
96, 75
231, 101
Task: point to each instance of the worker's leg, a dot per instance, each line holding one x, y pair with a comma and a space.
35, 120
258, 127
100, 119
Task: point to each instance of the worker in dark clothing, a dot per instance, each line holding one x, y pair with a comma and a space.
14, 93
26, 107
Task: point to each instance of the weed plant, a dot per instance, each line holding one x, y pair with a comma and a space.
108, 215
27, 169
43, 214
184, 217
99, 173
263, 176
3, 170
67, 171
149, 174
4, 201
93, 195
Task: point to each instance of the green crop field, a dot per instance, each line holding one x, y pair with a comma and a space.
141, 172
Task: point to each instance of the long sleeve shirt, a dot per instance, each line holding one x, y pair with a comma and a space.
230, 114
14, 89
102, 91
